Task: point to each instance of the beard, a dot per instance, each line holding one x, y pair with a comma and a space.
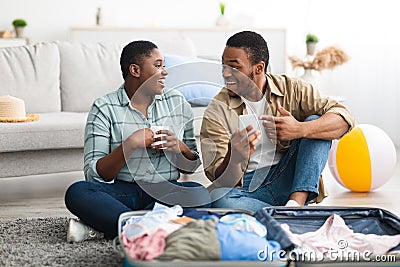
250, 83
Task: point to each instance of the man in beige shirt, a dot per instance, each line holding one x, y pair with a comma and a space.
277, 157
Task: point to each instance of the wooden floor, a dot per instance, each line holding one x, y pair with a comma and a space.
43, 196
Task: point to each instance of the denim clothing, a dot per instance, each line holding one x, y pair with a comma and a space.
234, 249
274, 230
298, 170
99, 205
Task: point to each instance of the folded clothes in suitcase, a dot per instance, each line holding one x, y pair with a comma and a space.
299, 220
130, 261
362, 221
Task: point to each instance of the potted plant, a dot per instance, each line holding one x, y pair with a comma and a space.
222, 21
222, 8
311, 42
19, 25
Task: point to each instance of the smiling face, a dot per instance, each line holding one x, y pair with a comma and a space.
153, 73
237, 71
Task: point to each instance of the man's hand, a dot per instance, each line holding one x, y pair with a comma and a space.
284, 128
241, 147
141, 138
244, 145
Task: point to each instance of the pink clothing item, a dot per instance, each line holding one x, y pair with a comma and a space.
147, 246
159, 217
334, 234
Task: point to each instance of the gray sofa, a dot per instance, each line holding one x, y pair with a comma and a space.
59, 81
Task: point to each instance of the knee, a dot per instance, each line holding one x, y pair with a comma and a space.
219, 193
196, 193
74, 192
316, 143
75, 187
225, 197
204, 196
194, 189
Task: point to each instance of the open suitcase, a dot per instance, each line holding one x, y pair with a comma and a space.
301, 220
364, 220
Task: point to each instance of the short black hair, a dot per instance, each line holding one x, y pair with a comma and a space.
254, 44
133, 53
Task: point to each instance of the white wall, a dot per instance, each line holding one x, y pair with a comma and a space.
367, 30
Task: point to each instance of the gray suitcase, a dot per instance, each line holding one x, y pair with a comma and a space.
364, 220
300, 219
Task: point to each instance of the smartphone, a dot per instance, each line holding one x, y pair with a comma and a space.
249, 119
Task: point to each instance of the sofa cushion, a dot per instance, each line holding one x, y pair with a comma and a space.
88, 71
56, 130
198, 114
32, 73
199, 80
35, 162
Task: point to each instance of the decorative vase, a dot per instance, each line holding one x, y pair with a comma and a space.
222, 21
308, 75
19, 32
99, 17
311, 48
311, 76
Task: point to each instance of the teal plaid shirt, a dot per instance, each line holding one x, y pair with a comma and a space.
112, 119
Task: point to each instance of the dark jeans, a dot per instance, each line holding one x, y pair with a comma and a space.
99, 205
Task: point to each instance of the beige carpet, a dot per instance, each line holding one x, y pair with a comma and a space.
42, 242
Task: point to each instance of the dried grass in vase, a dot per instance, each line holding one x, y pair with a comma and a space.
327, 58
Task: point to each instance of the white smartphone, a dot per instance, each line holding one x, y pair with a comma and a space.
249, 119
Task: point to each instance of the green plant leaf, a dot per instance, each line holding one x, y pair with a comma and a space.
222, 8
311, 38
19, 23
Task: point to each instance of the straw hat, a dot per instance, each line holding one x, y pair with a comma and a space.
12, 109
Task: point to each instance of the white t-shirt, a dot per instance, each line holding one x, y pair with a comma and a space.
265, 154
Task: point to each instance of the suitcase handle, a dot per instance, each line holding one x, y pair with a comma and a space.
117, 247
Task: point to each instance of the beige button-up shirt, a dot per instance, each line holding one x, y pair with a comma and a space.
221, 116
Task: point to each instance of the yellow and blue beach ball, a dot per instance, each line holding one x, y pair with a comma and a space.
364, 159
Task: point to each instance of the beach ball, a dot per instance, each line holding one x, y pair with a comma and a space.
364, 159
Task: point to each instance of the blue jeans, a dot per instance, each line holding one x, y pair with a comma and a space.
99, 205
298, 170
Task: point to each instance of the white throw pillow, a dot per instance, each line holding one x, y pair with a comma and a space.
199, 80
